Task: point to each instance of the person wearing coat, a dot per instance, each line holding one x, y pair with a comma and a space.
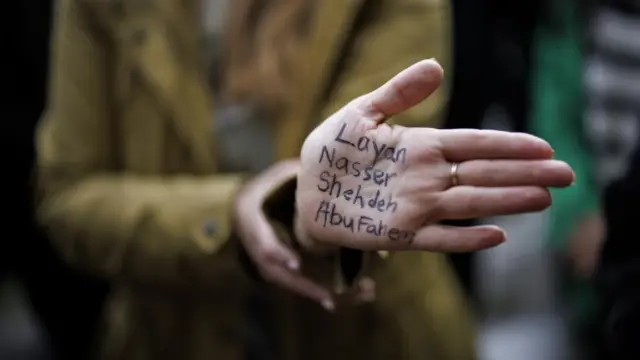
137, 185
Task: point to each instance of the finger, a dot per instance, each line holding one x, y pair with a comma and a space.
299, 284
443, 238
405, 90
364, 291
468, 202
280, 253
273, 249
495, 173
468, 144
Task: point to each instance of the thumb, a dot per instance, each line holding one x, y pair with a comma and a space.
260, 238
405, 90
275, 250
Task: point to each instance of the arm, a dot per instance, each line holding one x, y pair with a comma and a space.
144, 228
399, 34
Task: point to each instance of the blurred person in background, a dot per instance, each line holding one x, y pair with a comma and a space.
613, 126
561, 116
595, 218
130, 115
491, 69
535, 50
495, 67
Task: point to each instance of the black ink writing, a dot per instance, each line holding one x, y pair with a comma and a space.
354, 168
328, 215
380, 151
367, 194
330, 184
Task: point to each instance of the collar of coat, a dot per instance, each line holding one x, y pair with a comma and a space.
154, 37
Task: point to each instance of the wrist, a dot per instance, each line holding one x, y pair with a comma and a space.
307, 242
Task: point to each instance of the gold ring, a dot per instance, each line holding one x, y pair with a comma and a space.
454, 174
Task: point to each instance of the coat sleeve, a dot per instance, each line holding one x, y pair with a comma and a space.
390, 37
144, 228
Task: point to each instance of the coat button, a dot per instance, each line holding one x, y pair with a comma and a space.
210, 228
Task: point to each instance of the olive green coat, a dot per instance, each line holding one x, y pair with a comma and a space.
129, 187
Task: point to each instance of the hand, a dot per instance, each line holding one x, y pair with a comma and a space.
367, 185
585, 244
277, 263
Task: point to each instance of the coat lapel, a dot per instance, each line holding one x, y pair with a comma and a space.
165, 54
333, 23
162, 48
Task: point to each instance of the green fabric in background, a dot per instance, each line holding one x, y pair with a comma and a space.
558, 105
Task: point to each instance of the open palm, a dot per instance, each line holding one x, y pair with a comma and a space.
368, 185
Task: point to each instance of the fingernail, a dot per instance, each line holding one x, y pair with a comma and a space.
293, 265
328, 305
553, 154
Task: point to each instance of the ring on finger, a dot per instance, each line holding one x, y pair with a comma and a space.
453, 174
